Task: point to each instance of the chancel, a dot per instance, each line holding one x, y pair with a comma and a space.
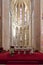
21, 32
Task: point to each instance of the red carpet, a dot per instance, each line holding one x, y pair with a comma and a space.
25, 57
22, 64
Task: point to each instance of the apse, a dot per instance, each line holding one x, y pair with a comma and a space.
20, 17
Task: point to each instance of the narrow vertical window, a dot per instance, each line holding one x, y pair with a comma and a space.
20, 14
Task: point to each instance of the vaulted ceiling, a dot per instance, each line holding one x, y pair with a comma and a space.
26, 2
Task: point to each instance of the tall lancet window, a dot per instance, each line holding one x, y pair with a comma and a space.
25, 16
20, 13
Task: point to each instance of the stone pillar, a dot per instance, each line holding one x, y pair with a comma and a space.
37, 24
27, 27
5, 25
0, 23
23, 22
21, 42
13, 20
30, 28
41, 9
27, 36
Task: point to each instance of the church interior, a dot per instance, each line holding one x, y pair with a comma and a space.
21, 32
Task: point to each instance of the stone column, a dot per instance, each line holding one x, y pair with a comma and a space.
41, 9
21, 42
30, 27
0, 23
27, 36
23, 36
23, 23
5, 25
37, 24
12, 24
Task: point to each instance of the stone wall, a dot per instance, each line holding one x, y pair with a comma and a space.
41, 10
5, 25
5, 21
37, 24
0, 23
